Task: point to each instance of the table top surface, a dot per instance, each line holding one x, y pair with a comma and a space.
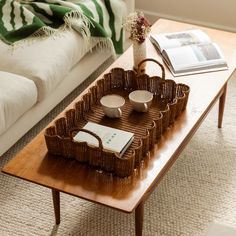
69, 176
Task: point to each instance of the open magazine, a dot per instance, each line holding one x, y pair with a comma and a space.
189, 52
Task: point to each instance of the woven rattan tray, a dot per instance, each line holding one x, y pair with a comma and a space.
169, 101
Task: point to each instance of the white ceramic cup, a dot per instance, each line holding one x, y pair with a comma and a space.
141, 100
112, 105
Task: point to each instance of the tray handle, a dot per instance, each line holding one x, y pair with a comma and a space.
153, 60
89, 132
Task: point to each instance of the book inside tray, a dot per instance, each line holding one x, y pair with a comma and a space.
169, 100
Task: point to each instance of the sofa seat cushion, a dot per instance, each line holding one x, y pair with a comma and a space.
46, 61
17, 95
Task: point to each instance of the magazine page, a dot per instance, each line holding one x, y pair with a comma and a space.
194, 57
179, 39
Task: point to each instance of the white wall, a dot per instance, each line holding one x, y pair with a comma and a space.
213, 13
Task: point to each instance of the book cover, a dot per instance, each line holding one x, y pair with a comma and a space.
114, 140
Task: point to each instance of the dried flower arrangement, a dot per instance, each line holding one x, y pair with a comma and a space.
138, 26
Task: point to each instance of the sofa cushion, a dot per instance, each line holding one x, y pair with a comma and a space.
17, 95
48, 60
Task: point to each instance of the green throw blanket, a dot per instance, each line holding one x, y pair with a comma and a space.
95, 20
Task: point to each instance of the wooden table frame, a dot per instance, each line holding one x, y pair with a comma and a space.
34, 164
139, 210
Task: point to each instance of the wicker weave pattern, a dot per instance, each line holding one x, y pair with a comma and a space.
170, 99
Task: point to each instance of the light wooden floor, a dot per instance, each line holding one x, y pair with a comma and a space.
217, 229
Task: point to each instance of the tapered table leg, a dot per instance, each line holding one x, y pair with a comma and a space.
56, 205
139, 219
222, 106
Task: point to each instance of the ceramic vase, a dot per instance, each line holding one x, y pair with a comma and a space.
139, 53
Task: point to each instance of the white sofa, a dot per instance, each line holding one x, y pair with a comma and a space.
27, 95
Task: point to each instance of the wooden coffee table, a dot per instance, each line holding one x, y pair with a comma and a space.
129, 194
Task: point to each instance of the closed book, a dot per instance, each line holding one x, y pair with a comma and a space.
115, 140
